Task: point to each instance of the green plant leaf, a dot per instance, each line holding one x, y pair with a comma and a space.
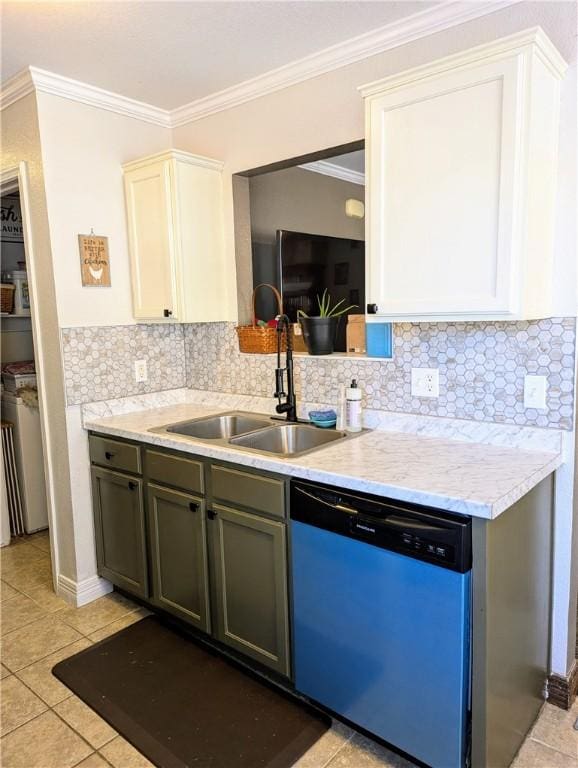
325, 308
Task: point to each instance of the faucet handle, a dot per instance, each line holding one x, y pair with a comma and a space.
279, 392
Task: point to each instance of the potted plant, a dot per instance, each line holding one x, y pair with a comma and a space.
319, 330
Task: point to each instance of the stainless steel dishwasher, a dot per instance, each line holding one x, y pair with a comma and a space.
381, 605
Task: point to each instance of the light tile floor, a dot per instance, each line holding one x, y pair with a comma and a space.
44, 725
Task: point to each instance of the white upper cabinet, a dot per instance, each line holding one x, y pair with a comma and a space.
461, 173
174, 204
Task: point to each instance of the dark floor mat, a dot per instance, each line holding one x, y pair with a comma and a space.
181, 704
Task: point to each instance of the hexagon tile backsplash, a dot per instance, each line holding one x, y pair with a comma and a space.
99, 360
482, 367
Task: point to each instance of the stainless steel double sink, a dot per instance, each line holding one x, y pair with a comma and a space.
257, 433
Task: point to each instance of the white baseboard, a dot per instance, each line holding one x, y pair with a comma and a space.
79, 593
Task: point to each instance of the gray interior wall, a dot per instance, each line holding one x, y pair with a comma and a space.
303, 201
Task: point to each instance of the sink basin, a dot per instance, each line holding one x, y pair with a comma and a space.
287, 439
256, 432
219, 427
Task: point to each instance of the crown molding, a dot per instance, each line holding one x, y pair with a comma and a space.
443, 16
447, 14
336, 171
58, 85
16, 88
200, 161
534, 37
39, 80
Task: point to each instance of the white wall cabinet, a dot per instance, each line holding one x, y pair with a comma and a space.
174, 204
461, 167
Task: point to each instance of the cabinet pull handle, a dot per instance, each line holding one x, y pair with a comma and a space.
108, 455
193, 506
372, 309
167, 312
211, 514
132, 486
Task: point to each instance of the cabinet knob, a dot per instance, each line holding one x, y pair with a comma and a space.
211, 514
132, 486
167, 312
108, 455
193, 506
372, 309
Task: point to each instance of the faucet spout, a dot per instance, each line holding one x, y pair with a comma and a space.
288, 407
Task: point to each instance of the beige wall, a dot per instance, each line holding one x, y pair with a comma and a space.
83, 149
21, 142
302, 201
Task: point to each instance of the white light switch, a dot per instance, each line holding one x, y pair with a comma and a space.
140, 371
425, 382
535, 392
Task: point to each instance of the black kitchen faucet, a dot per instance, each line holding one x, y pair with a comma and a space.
290, 405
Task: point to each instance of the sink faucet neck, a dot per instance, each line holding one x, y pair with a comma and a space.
288, 407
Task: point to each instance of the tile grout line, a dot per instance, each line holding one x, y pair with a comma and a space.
337, 751
554, 749
44, 711
75, 731
51, 708
41, 658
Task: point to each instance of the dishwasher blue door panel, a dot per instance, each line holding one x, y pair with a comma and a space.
383, 640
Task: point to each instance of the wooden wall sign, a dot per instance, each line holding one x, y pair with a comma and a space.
94, 261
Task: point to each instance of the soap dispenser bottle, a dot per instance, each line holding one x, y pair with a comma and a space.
353, 408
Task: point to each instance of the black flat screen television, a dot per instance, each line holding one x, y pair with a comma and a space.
302, 266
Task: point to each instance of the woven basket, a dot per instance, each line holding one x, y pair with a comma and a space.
6, 297
261, 340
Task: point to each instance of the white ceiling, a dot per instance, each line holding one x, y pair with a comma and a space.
170, 53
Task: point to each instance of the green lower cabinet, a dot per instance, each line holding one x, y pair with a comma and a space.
251, 606
178, 549
119, 522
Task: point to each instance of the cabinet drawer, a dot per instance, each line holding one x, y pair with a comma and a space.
265, 494
114, 454
166, 469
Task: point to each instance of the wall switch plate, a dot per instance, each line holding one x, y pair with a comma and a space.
425, 382
140, 371
535, 392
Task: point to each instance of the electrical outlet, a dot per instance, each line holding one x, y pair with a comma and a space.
140, 371
535, 392
425, 382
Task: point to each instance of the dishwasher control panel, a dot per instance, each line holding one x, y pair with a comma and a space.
432, 535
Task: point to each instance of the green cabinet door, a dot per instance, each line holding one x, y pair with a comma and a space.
119, 523
179, 554
250, 588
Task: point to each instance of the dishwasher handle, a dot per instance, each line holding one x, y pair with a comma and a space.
394, 520
339, 507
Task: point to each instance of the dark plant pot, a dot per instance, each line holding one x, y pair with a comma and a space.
319, 334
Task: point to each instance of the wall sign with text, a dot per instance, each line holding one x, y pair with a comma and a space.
94, 260
11, 220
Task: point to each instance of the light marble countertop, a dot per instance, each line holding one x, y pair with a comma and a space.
469, 478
